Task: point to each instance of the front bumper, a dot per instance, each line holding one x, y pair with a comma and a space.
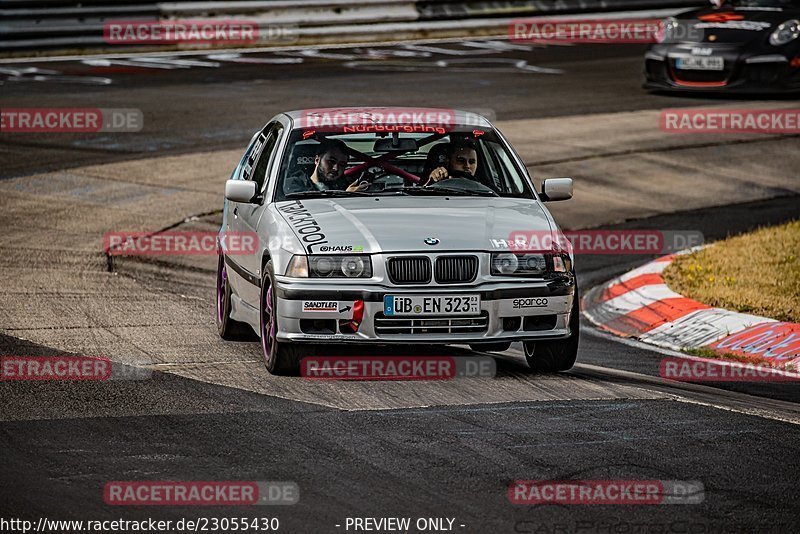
314, 312
743, 72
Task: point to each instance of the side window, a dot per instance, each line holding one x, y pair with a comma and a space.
507, 174
262, 153
490, 166
237, 172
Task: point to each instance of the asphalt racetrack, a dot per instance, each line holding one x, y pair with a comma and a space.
205, 410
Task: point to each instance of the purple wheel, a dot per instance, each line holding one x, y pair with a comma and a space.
280, 358
228, 329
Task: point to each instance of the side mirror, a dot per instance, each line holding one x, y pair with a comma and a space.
556, 189
240, 190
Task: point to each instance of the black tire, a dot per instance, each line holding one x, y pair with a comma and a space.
497, 346
228, 329
555, 356
279, 358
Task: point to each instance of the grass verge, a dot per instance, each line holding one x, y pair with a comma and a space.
757, 273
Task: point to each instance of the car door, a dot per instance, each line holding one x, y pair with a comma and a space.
231, 222
246, 216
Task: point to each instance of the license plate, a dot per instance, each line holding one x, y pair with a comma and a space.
432, 305
700, 63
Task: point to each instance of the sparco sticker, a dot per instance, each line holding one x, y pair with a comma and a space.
529, 303
304, 224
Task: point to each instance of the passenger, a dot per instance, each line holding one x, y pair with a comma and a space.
462, 162
330, 163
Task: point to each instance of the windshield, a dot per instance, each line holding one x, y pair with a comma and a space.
468, 163
765, 3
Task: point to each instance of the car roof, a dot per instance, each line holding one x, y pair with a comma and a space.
309, 118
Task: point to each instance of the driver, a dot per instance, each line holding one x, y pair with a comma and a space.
330, 163
462, 161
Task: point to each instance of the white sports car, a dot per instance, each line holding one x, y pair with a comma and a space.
392, 226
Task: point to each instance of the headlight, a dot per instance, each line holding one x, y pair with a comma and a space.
505, 264
339, 267
561, 264
298, 267
355, 267
785, 33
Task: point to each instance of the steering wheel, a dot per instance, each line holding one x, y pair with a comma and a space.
370, 173
379, 181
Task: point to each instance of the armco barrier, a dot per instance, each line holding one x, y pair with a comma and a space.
28, 26
446, 9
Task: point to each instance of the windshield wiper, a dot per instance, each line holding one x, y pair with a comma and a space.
327, 193
449, 191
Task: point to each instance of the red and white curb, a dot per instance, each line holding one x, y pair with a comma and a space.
639, 305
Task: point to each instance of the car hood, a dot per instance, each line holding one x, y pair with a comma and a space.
740, 25
403, 224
